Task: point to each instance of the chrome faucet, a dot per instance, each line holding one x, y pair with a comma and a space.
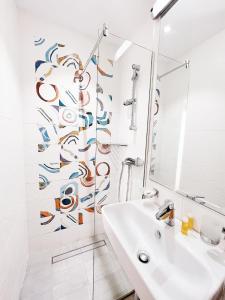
166, 212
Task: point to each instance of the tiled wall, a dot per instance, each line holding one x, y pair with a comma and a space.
61, 134
68, 134
13, 236
44, 237
204, 142
135, 140
171, 97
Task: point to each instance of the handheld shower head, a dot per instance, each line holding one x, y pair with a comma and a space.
136, 67
105, 30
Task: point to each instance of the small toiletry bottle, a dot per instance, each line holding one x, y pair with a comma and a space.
184, 226
190, 221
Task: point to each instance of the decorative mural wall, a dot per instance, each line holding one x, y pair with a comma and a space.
73, 122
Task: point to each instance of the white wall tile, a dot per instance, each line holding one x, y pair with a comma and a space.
12, 180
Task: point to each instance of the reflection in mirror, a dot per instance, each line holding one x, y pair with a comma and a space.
199, 144
169, 109
203, 166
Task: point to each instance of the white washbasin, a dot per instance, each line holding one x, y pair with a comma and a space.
180, 268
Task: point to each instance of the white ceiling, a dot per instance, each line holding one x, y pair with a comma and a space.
87, 16
191, 22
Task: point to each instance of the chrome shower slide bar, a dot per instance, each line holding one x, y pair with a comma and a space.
133, 100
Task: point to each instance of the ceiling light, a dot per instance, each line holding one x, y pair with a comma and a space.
122, 49
167, 29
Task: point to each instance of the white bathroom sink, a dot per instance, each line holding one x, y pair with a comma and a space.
180, 267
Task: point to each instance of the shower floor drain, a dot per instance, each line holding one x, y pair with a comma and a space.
78, 251
143, 257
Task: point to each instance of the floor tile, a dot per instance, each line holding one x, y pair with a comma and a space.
45, 296
72, 278
82, 293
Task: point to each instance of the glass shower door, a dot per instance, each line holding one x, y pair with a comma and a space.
115, 140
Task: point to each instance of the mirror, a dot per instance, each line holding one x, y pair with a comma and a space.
169, 106
188, 153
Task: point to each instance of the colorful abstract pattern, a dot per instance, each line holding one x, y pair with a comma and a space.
73, 121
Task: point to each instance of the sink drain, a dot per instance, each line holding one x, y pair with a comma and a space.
143, 257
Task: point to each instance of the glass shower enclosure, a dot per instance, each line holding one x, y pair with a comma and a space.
90, 119
116, 61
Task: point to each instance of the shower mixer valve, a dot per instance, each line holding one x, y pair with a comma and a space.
129, 102
137, 162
